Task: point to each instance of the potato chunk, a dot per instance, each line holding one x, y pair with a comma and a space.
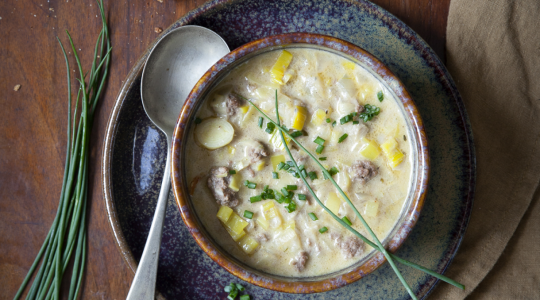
214, 133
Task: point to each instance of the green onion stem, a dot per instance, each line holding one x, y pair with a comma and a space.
363, 238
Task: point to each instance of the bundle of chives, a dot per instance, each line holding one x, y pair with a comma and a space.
68, 231
377, 246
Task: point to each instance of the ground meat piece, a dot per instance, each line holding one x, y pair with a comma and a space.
233, 103
250, 172
336, 237
257, 153
351, 247
360, 108
262, 237
299, 262
218, 183
363, 171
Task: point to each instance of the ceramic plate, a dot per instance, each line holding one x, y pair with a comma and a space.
135, 150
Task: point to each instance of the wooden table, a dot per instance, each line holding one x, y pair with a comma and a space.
33, 119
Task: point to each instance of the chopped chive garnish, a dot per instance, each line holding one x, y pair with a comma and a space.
290, 163
275, 175
232, 295
322, 158
286, 167
304, 172
355, 122
345, 119
320, 141
301, 167
354, 114
323, 230
228, 289
280, 198
346, 220
198, 120
261, 121
292, 187
312, 175
240, 287
291, 207
250, 185
280, 165
301, 197
313, 217
370, 111
268, 193
245, 297
270, 127
255, 199
284, 127
266, 188
380, 96
342, 138
328, 120
333, 171
319, 149
248, 214
296, 134
334, 124
285, 192
232, 172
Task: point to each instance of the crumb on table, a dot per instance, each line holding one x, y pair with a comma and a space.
158, 30
17, 87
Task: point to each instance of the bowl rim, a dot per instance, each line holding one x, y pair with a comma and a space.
180, 186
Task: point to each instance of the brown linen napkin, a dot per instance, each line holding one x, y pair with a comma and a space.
493, 52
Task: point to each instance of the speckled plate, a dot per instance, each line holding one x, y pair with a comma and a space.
135, 150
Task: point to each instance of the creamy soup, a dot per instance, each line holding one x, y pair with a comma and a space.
251, 199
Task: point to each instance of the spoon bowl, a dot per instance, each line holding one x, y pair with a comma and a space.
174, 66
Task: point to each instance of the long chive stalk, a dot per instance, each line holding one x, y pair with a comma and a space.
68, 232
380, 246
359, 235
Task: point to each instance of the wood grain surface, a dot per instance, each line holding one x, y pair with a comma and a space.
33, 119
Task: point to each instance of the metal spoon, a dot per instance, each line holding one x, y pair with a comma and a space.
173, 67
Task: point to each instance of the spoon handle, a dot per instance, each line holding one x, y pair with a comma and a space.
143, 286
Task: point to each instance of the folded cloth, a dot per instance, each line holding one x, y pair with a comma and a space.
493, 53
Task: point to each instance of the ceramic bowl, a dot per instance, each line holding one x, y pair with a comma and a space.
413, 204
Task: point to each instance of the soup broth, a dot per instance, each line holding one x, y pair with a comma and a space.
248, 195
